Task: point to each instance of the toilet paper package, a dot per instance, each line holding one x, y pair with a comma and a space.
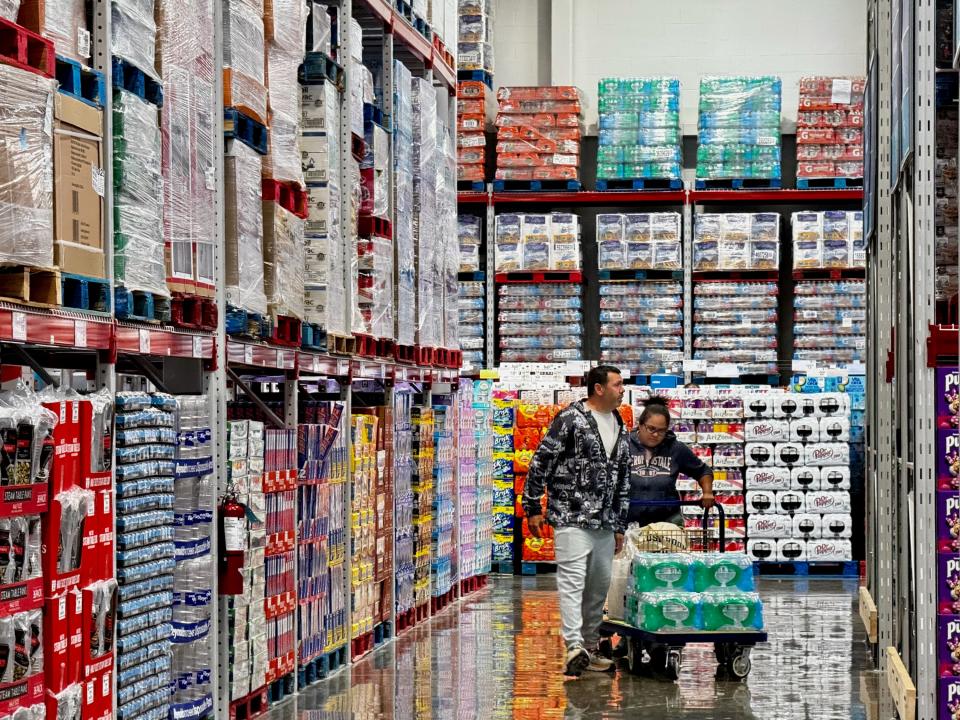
828, 502
766, 430
788, 454
761, 502
789, 550
772, 478
829, 550
760, 455
835, 478
837, 525
805, 478
822, 454
805, 430
769, 526
790, 502
835, 429
808, 525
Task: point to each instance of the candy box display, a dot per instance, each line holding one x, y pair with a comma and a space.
948, 582
948, 396
948, 632
948, 522
948, 458
949, 699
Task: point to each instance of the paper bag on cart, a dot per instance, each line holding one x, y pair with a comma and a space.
658, 537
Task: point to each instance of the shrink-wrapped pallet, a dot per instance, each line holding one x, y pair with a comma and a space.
243, 228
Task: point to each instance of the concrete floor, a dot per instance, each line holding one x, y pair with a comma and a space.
498, 655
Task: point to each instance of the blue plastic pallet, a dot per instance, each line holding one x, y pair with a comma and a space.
321, 667
804, 568
318, 68
471, 276
471, 186
141, 306
503, 568
241, 322
640, 274
537, 185
313, 337
282, 688
87, 86
132, 79
373, 114
829, 183
740, 184
85, 293
405, 9
244, 128
613, 184
537, 568
476, 76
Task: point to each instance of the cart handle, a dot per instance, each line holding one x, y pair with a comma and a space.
690, 503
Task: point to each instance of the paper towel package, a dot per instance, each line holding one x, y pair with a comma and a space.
837, 525
808, 525
772, 478
835, 478
828, 502
767, 430
805, 478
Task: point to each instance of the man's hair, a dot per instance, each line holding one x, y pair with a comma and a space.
598, 375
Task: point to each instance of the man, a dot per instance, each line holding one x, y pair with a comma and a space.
584, 464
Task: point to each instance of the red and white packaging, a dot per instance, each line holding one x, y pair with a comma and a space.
769, 526
768, 478
807, 525
829, 550
805, 478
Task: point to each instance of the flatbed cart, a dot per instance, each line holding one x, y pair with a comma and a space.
661, 653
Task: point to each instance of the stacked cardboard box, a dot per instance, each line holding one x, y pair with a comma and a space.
474, 109
830, 127
475, 34
243, 228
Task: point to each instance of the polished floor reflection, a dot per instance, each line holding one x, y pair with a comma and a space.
496, 655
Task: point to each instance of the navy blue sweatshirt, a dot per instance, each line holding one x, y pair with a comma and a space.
655, 478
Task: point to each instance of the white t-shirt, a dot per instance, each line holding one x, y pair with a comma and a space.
609, 429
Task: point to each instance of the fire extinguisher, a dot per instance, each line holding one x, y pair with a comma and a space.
233, 543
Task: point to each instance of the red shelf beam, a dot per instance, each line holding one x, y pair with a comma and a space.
612, 198
788, 195
140, 340
623, 198
56, 329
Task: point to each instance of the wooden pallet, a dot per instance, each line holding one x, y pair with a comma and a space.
40, 287
868, 613
341, 345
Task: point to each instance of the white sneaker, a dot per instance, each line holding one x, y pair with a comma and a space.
577, 660
600, 664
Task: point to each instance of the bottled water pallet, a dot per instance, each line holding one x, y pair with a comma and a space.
240, 126
614, 184
829, 183
141, 306
134, 80
537, 185
321, 667
87, 86
537, 568
740, 184
804, 568
476, 76
282, 688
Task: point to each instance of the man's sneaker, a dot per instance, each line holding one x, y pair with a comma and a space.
600, 664
577, 660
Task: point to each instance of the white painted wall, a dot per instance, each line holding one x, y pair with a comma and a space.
683, 38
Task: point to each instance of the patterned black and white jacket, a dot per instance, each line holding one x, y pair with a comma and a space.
585, 488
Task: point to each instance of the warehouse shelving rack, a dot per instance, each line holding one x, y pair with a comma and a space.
905, 340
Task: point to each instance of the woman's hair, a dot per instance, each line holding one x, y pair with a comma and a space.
655, 405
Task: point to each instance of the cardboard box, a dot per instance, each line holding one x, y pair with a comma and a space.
315, 157
78, 187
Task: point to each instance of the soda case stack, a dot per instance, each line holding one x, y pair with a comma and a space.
279, 482
244, 58
404, 562
404, 227
427, 240
243, 228
537, 242
948, 547
739, 128
185, 60
138, 260
475, 491
146, 551
322, 461
799, 479
246, 629
641, 326
946, 279
475, 35
363, 470
285, 33
829, 322
736, 322
421, 483
681, 592
474, 109
532, 422
194, 491
543, 126
504, 454
639, 124
830, 127
444, 550
324, 247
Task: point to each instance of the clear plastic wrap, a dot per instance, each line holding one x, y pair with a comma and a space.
324, 258
26, 161
138, 261
244, 57
830, 127
285, 30
282, 260
736, 241
531, 114
135, 34
244, 228
404, 224
373, 314
426, 156
532, 335
830, 239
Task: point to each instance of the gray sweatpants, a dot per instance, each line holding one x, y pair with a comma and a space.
584, 563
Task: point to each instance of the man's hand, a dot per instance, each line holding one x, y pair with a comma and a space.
535, 524
618, 543
707, 501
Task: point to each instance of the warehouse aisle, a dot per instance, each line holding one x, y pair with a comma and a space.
496, 655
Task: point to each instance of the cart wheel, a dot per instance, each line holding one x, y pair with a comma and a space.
672, 669
634, 656
740, 664
605, 648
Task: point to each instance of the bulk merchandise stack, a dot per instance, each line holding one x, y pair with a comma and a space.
185, 60
739, 131
641, 323
736, 322
830, 131
474, 109
532, 419
540, 318
146, 552
948, 510
639, 132
242, 607
363, 470
947, 248
472, 294
403, 520
384, 499
504, 495
421, 484
404, 224
544, 122
475, 477
321, 537
829, 328
443, 552
194, 493
475, 38
448, 260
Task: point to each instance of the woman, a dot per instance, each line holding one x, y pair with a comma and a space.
657, 459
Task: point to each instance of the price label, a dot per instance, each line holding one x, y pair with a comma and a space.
723, 370
80, 333
842, 91
145, 341
248, 354
809, 314
694, 365
19, 326
198, 347
847, 322
803, 366
281, 359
